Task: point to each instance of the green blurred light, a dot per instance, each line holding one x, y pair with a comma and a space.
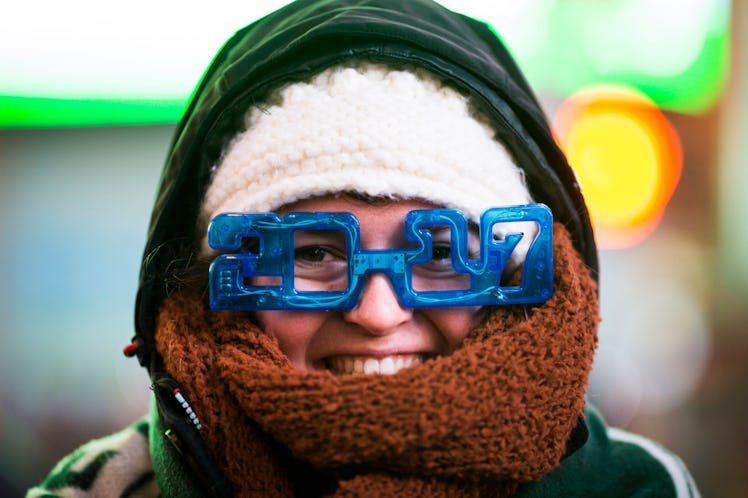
678, 57
52, 75
30, 112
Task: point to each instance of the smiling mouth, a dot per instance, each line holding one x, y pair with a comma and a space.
383, 365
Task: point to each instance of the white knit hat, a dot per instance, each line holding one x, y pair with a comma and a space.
369, 129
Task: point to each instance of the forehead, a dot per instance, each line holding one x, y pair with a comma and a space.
381, 220
379, 208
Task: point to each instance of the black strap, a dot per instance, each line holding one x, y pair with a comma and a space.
184, 434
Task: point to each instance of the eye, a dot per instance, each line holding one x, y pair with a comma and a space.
320, 268
440, 265
313, 254
318, 247
440, 253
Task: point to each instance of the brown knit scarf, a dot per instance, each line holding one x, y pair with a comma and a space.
497, 412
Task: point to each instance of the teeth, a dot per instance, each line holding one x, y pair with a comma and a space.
383, 365
371, 366
387, 366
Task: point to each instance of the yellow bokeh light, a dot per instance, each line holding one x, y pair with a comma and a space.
627, 158
631, 165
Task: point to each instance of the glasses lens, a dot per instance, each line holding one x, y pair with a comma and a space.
251, 245
439, 273
320, 260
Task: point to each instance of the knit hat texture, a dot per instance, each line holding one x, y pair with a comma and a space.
368, 129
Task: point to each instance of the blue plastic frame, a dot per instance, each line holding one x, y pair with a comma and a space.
275, 257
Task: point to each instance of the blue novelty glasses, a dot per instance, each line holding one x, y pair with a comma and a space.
314, 261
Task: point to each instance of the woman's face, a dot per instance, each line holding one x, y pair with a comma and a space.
379, 335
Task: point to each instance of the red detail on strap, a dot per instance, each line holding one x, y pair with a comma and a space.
131, 349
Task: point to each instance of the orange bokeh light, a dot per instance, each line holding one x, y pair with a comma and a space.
626, 156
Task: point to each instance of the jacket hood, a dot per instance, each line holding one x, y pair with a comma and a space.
308, 36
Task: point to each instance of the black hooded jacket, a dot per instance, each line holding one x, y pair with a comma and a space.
308, 36
292, 44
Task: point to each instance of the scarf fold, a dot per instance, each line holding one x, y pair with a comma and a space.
497, 412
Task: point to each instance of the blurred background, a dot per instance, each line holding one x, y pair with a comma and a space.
648, 97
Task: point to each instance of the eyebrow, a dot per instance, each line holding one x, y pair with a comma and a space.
438, 228
322, 234
472, 228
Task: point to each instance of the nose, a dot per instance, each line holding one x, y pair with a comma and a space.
378, 312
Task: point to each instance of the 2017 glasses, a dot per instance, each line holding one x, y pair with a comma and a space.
314, 261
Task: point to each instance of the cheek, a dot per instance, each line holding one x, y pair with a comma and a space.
454, 324
294, 330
